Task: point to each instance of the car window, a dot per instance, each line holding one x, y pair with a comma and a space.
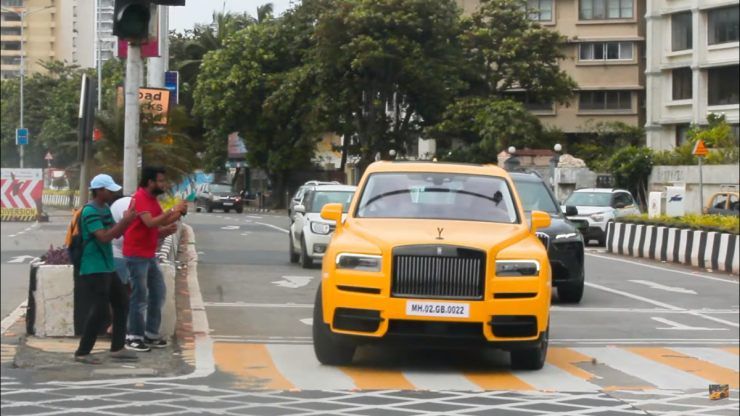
589, 199
317, 199
535, 197
720, 201
622, 198
734, 203
220, 188
437, 196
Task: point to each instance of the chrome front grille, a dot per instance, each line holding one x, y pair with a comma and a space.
448, 273
545, 239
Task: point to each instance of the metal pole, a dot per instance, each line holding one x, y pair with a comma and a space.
701, 185
155, 65
23, 52
98, 54
131, 123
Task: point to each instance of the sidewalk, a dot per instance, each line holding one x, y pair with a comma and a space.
51, 359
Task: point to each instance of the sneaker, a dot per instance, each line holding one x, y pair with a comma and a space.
137, 345
124, 355
155, 343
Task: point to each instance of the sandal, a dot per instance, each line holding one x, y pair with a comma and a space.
88, 359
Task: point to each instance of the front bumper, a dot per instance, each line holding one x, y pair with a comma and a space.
595, 230
225, 203
566, 261
316, 244
507, 318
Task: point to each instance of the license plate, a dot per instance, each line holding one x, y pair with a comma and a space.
444, 309
228, 204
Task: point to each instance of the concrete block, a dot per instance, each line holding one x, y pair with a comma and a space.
54, 297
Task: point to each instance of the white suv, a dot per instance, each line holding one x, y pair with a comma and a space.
309, 233
597, 207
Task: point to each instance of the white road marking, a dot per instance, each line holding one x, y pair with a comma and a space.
665, 269
293, 282
21, 259
307, 321
13, 235
655, 373
673, 325
258, 305
298, 364
552, 378
273, 226
9, 320
711, 355
246, 233
230, 227
440, 379
658, 286
255, 217
658, 341
557, 308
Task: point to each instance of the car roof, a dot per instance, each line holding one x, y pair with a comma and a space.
601, 190
338, 188
315, 183
441, 167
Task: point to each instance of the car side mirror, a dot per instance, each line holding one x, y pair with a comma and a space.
539, 220
332, 212
300, 209
570, 211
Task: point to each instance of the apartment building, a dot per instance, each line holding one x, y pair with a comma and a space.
39, 35
692, 66
66, 30
604, 55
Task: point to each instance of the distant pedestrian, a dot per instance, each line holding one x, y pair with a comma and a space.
97, 271
139, 249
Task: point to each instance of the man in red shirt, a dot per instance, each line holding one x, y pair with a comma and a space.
139, 249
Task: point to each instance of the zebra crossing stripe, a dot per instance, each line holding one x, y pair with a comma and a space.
566, 359
427, 380
713, 355
250, 362
552, 378
377, 379
307, 374
659, 375
692, 365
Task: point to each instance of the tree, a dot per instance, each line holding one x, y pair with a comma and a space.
631, 166
506, 56
386, 69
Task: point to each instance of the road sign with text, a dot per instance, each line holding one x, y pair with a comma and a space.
21, 137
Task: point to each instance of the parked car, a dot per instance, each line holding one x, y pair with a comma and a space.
598, 207
562, 238
298, 196
434, 254
309, 233
212, 196
723, 203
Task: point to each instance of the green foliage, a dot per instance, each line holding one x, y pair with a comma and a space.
724, 147
723, 223
630, 167
607, 138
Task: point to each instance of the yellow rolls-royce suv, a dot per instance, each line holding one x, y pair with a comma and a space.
434, 255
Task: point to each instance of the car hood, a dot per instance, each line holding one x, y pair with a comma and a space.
372, 234
588, 210
558, 225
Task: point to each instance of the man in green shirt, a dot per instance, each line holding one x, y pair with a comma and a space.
98, 273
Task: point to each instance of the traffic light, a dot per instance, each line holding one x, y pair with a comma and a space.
131, 19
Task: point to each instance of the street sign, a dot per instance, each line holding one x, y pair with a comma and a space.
21, 137
700, 149
48, 156
172, 83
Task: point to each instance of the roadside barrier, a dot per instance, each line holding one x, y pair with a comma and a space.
60, 199
705, 249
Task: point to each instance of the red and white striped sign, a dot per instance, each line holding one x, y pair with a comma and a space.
20, 188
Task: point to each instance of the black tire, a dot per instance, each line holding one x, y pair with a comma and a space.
329, 349
197, 207
306, 260
226, 210
294, 257
531, 358
571, 292
240, 210
209, 207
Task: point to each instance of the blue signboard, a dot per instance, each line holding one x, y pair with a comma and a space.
21, 137
172, 83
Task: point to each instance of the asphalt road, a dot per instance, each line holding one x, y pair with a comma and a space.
647, 338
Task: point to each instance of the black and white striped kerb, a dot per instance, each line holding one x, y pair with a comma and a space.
708, 250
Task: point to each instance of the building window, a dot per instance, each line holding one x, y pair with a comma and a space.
681, 31
682, 83
12, 46
723, 85
610, 51
605, 9
682, 133
723, 25
531, 103
540, 10
605, 100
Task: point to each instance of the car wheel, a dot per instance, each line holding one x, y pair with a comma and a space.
328, 348
209, 207
197, 207
294, 257
306, 261
240, 210
531, 358
226, 210
572, 292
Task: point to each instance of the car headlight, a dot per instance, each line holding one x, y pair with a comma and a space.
566, 236
320, 228
359, 262
598, 217
513, 268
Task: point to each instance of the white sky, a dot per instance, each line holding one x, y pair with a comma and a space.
201, 11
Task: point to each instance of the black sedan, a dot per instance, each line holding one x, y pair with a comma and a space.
562, 238
218, 196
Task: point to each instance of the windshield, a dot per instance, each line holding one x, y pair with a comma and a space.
317, 199
535, 197
220, 188
589, 199
437, 196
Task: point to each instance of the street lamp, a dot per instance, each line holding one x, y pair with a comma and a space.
512, 163
22, 15
554, 160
